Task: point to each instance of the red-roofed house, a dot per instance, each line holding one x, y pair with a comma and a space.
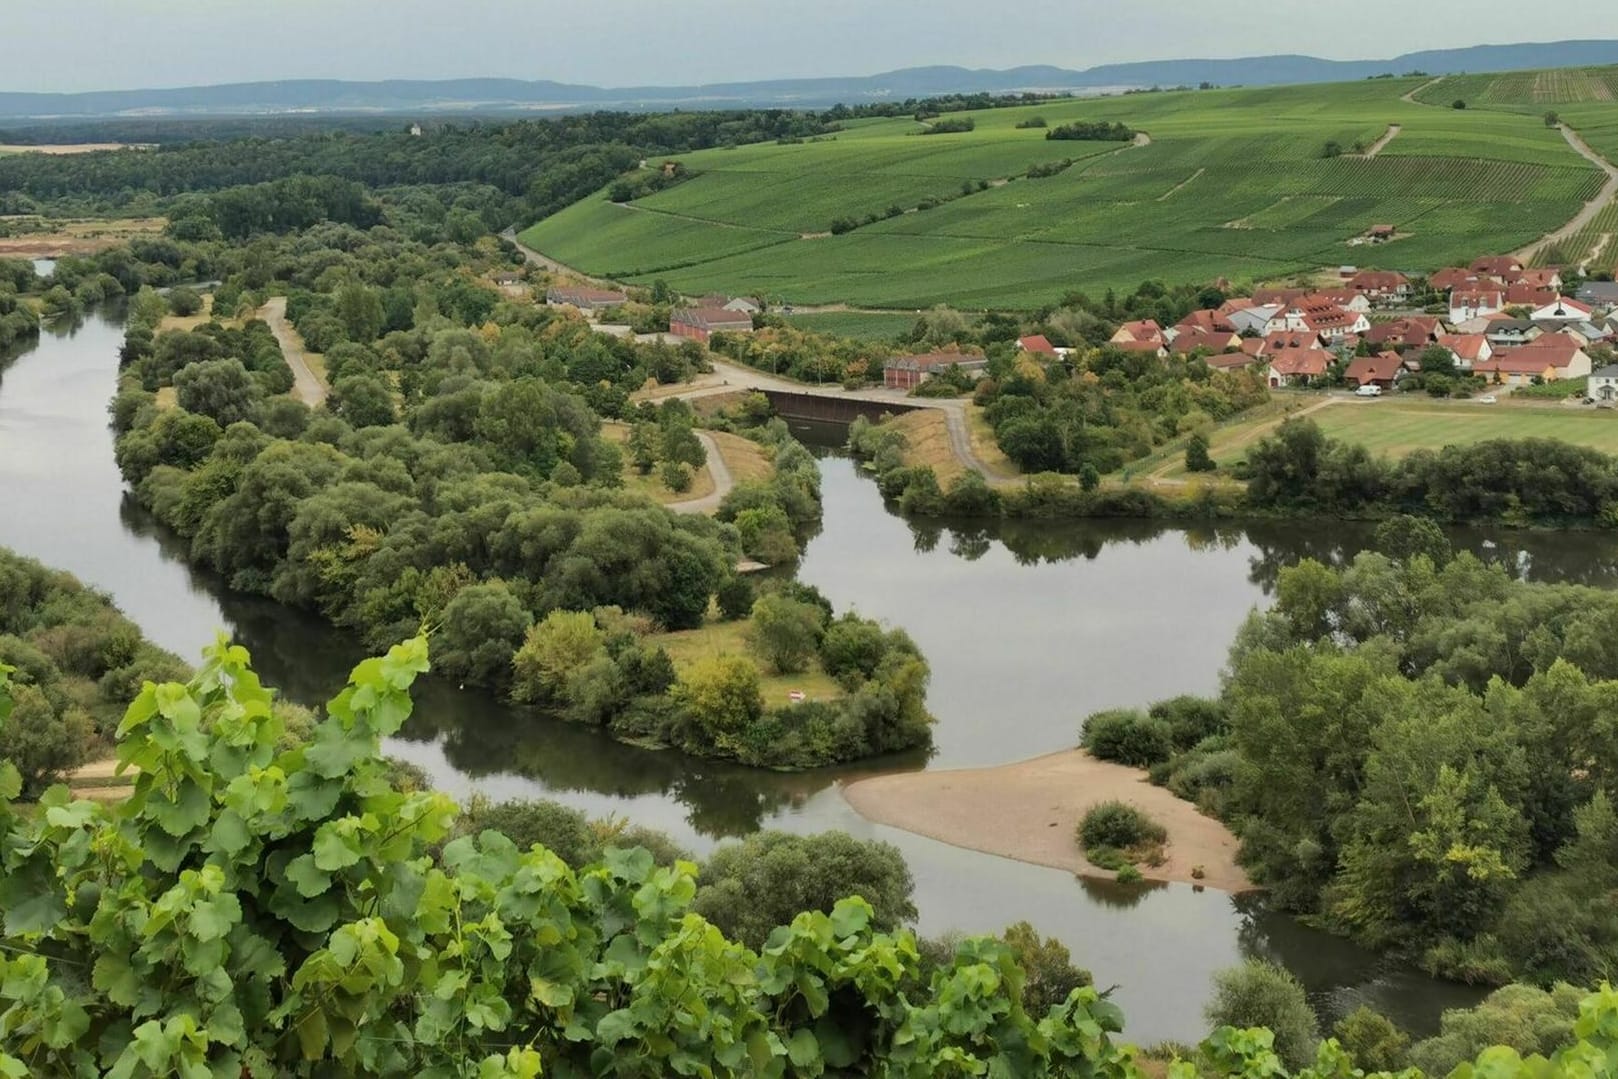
1469, 349
1525, 294
908, 372
1327, 320
1037, 343
585, 299
1296, 366
1153, 348
1562, 309
1381, 285
1142, 330
1234, 361
1415, 331
1346, 298
1497, 265
1206, 321
1453, 277
1550, 357
1468, 304
1382, 370
1380, 234
1280, 339
701, 323
1277, 297
1546, 277
1211, 341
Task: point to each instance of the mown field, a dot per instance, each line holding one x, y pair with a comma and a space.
864, 325
1234, 183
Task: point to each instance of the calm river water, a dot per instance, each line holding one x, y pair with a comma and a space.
1028, 627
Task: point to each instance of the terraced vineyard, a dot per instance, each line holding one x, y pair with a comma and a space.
1233, 183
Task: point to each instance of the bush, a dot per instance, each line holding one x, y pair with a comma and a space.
1372, 1040
1127, 736
1196, 454
1128, 874
1527, 1019
185, 302
676, 476
1119, 825
1190, 719
735, 598
560, 829
1048, 966
1261, 994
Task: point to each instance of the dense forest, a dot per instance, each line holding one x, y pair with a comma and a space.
1419, 751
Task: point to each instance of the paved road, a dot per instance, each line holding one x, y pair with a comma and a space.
1582, 219
306, 387
722, 481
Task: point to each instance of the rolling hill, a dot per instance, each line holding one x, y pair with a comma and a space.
463, 96
1232, 183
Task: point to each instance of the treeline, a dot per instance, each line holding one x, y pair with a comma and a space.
319, 917
74, 663
1415, 749
18, 321
1092, 131
1514, 481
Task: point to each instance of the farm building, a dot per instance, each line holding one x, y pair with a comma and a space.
1382, 370
1603, 384
701, 323
1379, 234
585, 299
908, 372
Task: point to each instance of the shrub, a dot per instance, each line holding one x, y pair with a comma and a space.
1261, 994
562, 830
1128, 874
676, 476
1048, 966
1527, 1019
735, 598
1128, 737
1372, 1040
1196, 454
185, 302
1119, 824
1190, 719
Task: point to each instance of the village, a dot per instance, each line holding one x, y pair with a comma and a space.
1503, 325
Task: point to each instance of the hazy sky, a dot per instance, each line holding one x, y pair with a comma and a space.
120, 44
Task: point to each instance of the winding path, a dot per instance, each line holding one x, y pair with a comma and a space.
1387, 136
1584, 217
545, 262
722, 481
306, 385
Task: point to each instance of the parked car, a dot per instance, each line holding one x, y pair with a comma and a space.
1370, 389
1487, 399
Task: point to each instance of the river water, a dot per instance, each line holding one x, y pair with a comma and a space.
1028, 628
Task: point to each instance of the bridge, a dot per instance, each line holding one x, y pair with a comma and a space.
827, 408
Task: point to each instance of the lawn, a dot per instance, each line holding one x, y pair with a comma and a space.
730, 638
1233, 184
864, 325
649, 485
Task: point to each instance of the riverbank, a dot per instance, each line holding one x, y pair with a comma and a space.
1029, 812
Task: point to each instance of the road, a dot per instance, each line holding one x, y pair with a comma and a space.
1387, 137
1582, 219
306, 386
547, 263
722, 481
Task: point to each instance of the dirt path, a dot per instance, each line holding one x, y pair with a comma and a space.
1410, 96
722, 481
1029, 811
1595, 252
545, 262
1582, 219
306, 386
1165, 196
1387, 137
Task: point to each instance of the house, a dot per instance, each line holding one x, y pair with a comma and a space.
1603, 385
1154, 348
1324, 319
510, 283
585, 299
1251, 319
908, 372
701, 323
1546, 277
1285, 339
1525, 294
1414, 331
1277, 297
1467, 304
1038, 344
1561, 309
1204, 321
1233, 361
1453, 277
1497, 265
1206, 341
1512, 332
1381, 286
1379, 234
1598, 293
1139, 331
1469, 349
1381, 370
1296, 366
1549, 358
1346, 298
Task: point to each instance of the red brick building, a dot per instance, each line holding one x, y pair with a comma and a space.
908, 372
701, 323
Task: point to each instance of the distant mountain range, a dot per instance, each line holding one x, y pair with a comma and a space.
460, 96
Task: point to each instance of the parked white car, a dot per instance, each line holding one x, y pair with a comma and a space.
1370, 389
1487, 399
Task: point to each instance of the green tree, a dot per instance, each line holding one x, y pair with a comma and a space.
1048, 965
483, 627
184, 301
1261, 994
44, 740
722, 695
222, 390
360, 310
785, 633
1196, 454
363, 401
750, 888
556, 647
1371, 1039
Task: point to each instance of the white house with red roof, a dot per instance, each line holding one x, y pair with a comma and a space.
1562, 309
1140, 331
1468, 304
1296, 366
1469, 349
1381, 286
1550, 357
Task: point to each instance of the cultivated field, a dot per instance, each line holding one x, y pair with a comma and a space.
859, 324
1233, 183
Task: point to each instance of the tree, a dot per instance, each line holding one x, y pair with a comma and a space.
785, 633
483, 627
722, 694
1048, 965
360, 310
1372, 1040
43, 740
750, 888
1402, 537
1458, 103
1196, 454
222, 390
1437, 360
1552, 119
1261, 994
362, 400
676, 476
553, 649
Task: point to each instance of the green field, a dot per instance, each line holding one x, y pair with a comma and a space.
1233, 184
863, 325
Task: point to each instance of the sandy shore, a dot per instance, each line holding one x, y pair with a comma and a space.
1030, 810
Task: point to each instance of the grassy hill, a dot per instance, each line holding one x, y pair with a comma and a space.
1233, 183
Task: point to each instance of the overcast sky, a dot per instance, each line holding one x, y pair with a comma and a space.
126, 44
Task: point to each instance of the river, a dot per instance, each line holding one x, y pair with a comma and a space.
1028, 627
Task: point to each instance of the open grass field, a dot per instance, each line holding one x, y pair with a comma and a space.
1396, 427
35, 237
730, 638
864, 325
1232, 184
